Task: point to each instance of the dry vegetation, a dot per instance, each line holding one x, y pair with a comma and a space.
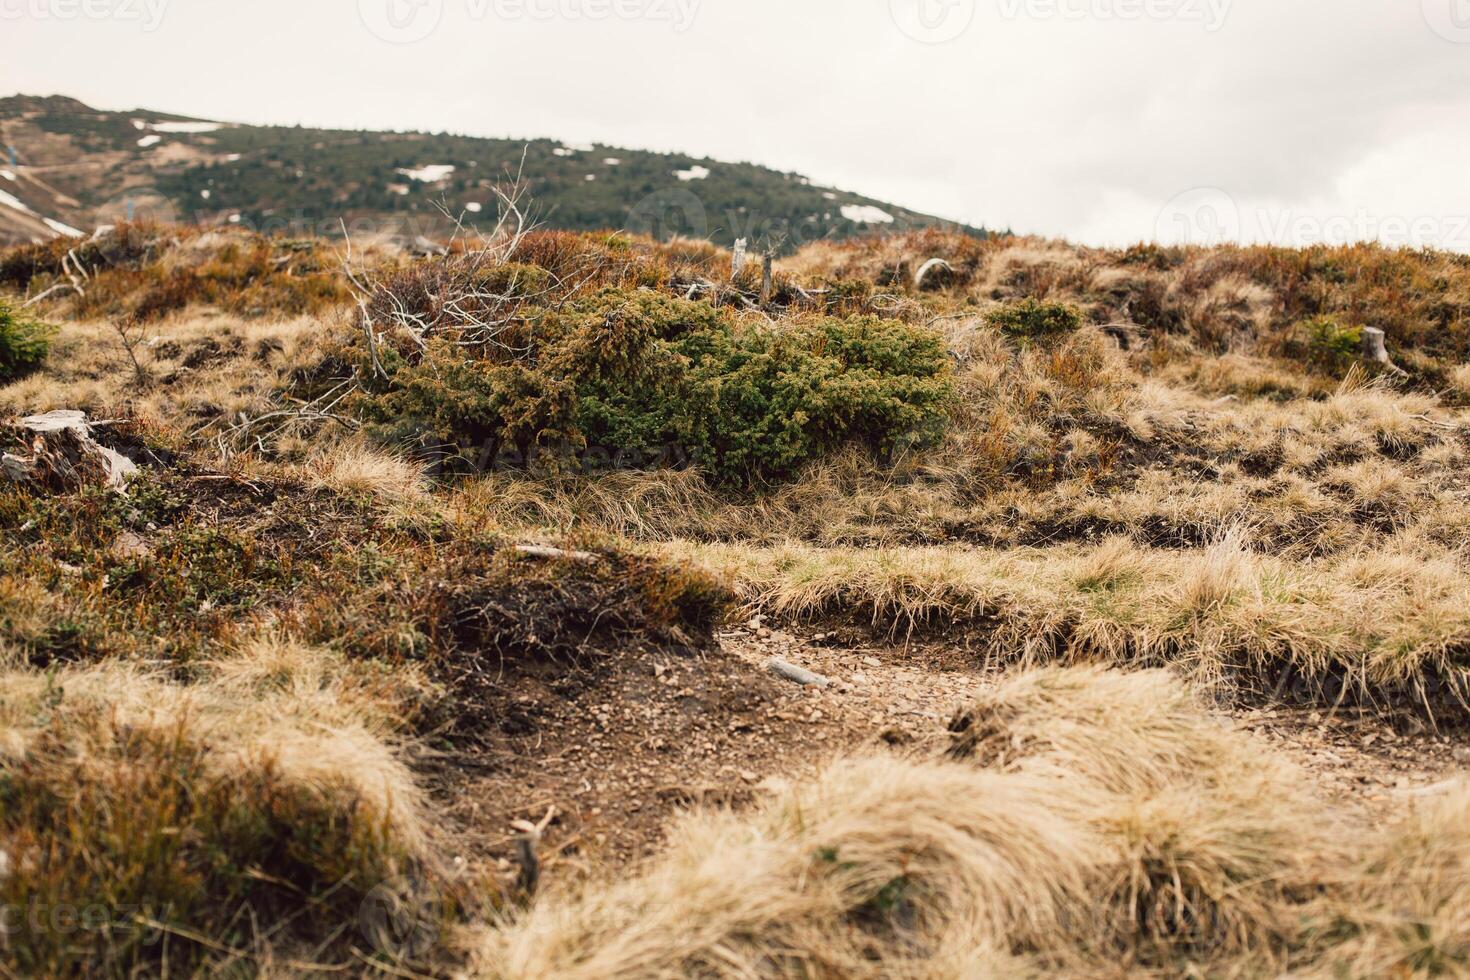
393, 513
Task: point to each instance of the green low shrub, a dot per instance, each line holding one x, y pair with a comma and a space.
636, 376
1031, 319
24, 344
1329, 344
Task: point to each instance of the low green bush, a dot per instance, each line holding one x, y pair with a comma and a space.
1031, 319
635, 376
24, 344
1329, 344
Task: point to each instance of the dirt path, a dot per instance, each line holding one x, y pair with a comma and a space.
617, 755
1360, 758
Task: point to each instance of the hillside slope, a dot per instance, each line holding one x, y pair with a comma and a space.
78, 167
570, 606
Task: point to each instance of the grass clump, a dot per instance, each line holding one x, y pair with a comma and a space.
632, 379
570, 610
145, 828
24, 344
1222, 614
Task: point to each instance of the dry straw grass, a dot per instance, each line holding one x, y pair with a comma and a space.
1211, 500
1379, 618
354, 468
236, 815
317, 721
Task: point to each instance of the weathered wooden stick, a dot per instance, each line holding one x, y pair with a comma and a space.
737, 264
543, 551
799, 675
929, 267
1438, 789
766, 279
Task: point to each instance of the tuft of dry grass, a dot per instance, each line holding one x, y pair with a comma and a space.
236, 809
1217, 843
1400, 910
877, 868
1382, 619
1460, 379
354, 468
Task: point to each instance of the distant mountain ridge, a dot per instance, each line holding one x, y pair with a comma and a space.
66, 167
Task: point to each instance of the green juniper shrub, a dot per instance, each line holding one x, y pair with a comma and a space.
1032, 319
1326, 343
637, 376
24, 344
514, 279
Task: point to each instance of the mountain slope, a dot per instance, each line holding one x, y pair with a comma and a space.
80, 167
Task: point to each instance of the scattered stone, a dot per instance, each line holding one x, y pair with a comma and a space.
795, 674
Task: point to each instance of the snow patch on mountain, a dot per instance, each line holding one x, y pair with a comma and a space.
431, 174
866, 214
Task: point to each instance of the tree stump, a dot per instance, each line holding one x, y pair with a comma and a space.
1375, 349
64, 456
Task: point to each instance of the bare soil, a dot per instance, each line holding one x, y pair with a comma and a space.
615, 753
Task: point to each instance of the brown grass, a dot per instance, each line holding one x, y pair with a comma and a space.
1378, 619
236, 809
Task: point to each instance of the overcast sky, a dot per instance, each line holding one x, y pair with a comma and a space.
1106, 121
